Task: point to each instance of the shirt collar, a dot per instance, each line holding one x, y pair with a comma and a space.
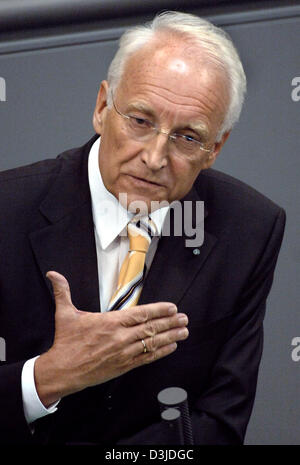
110, 218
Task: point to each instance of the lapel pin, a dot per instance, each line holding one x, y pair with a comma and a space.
196, 252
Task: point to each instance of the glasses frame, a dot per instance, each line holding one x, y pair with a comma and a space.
157, 130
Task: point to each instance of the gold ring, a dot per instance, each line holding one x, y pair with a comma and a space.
144, 344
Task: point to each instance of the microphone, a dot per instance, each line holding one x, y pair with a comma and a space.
171, 399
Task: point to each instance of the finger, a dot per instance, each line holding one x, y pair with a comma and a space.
61, 289
150, 357
155, 343
159, 325
141, 313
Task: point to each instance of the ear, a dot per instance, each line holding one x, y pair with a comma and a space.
216, 150
100, 108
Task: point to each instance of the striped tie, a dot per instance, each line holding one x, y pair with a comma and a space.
132, 274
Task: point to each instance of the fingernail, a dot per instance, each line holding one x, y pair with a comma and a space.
172, 310
182, 319
183, 333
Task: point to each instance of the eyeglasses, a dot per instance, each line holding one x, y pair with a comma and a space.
144, 130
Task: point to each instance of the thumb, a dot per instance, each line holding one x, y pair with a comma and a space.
61, 289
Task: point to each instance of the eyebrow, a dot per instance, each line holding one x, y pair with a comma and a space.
198, 127
142, 107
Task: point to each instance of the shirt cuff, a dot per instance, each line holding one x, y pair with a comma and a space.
33, 407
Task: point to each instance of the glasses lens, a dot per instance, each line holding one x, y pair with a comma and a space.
186, 145
141, 129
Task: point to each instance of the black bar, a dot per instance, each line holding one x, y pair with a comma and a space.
23, 14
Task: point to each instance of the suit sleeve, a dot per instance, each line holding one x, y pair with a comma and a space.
220, 415
13, 425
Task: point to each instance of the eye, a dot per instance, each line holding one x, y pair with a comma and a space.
187, 144
188, 138
140, 122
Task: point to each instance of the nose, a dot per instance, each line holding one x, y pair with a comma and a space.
155, 153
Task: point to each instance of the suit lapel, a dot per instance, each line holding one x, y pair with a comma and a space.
175, 265
67, 244
68, 248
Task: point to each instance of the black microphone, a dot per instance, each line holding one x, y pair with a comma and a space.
176, 398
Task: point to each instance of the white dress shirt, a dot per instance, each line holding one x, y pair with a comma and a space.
110, 222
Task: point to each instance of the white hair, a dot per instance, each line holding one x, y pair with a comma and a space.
201, 33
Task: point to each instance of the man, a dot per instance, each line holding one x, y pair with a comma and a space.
74, 374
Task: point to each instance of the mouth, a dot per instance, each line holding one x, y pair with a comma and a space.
144, 182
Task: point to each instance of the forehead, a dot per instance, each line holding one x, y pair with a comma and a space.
175, 81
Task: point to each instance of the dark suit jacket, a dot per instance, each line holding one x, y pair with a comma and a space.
46, 224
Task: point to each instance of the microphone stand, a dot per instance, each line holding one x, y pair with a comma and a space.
175, 414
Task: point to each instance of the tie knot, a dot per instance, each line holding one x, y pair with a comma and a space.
140, 232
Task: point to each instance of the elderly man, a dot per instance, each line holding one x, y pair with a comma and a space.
95, 324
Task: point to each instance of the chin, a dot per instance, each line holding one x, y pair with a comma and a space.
141, 205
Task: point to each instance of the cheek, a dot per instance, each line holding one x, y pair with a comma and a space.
111, 153
184, 175
116, 158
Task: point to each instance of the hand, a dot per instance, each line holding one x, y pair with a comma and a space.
92, 348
